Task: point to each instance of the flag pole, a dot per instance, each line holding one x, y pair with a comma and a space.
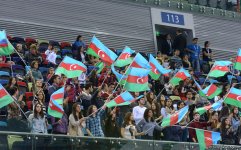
208, 75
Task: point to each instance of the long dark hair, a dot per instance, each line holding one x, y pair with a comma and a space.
78, 37
10, 82
74, 112
224, 112
41, 113
223, 124
146, 115
127, 118
235, 116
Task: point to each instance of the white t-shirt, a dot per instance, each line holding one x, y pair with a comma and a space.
138, 113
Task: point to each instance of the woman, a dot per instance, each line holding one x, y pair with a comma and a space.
224, 113
168, 110
78, 42
60, 125
111, 126
183, 122
148, 124
150, 98
156, 110
128, 129
215, 124
76, 121
37, 120
40, 98
81, 56
93, 122
227, 133
185, 62
11, 83
35, 71
235, 120
207, 52
161, 102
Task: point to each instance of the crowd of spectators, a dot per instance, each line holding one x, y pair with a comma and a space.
85, 96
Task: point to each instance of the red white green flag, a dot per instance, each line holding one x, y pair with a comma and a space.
70, 67
175, 118
5, 98
234, 97
137, 80
207, 138
125, 57
181, 75
237, 64
218, 71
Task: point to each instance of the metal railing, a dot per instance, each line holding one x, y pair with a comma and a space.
28, 141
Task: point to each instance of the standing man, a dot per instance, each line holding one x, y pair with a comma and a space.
194, 50
180, 42
138, 111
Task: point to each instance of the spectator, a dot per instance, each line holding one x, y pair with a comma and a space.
150, 98
33, 55
79, 42
168, 110
196, 124
215, 124
50, 73
37, 120
19, 49
180, 42
227, 133
159, 57
93, 122
35, 70
76, 121
148, 124
194, 50
235, 121
176, 61
207, 52
60, 125
51, 54
138, 111
40, 99
186, 63
55, 86
82, 56
166, 48
13, 108
112, 128
183, 122
128, 129
11, 83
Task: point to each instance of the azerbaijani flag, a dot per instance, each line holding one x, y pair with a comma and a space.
218, 71
237, 64
181, 75
234, 97
140, 62
200, 90
214, 106
6, 47
137, 80
129, 102
123, 97
120, 77
207, 138
175, 118
55, 108
5, 98
157, 69
70, 67
211, 91
99, 50
222, 63
125, 57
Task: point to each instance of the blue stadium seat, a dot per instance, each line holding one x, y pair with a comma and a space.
18, 69
16, 59
3, 82
4, 75
66, 52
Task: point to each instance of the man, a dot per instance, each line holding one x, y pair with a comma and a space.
194, 50
176, 61
166, 48
55, 86
198, 125
138, 111
180, 42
